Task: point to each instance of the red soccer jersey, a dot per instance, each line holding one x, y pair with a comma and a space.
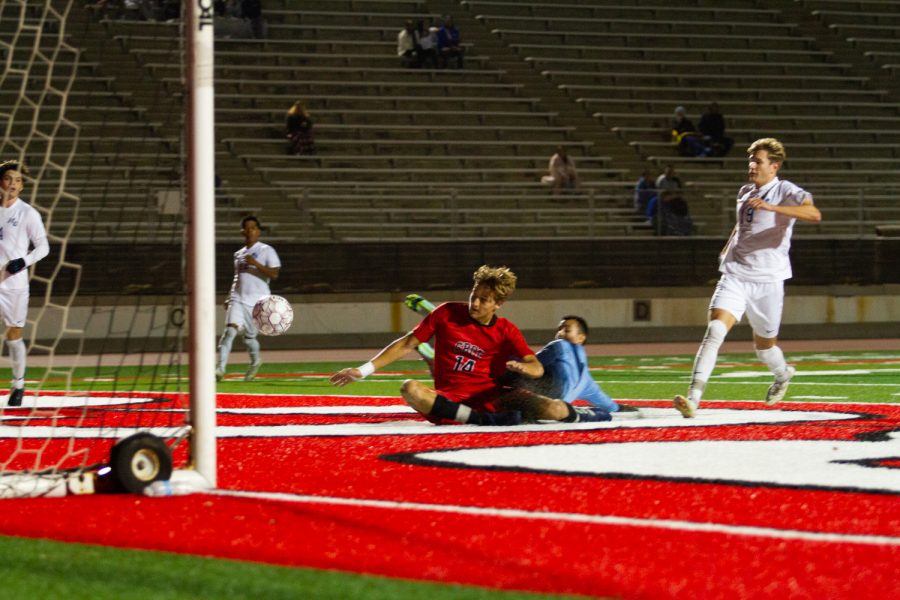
469, 357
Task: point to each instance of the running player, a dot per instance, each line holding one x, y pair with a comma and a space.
472, 352
20, 225
754, 264
255, 265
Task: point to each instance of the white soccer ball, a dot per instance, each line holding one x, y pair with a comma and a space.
273, 315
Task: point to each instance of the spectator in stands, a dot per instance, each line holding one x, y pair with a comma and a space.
449, 45
427, 45
672, 217
251, 10
689, 141
299, 125
667, 181
406, 46
229, 21
562, 174
644, 192
712, 126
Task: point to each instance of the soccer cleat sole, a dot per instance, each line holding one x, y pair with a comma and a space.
778, 390
685, 407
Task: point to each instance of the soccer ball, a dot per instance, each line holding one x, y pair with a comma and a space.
273, 315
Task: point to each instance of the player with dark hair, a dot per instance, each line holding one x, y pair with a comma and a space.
20, 226
255, 265
472, 352
754, 264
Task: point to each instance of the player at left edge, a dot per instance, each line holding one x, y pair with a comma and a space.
23, 242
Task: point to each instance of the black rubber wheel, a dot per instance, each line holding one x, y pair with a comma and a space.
139, 460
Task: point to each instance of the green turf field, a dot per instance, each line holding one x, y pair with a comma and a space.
42, 569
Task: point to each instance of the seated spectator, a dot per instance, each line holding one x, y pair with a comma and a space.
449, 45
251, 11
406, 46
667, 181
673, 217
685, 135
229, 21
427, 45
712, 126
299, 127
644, 192
562, 174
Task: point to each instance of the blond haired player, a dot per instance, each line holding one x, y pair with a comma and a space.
754, 264
20, 226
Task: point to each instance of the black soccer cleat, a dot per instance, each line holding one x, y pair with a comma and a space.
584, 414
15, 397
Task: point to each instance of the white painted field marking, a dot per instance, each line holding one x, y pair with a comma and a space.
767, 374
829, 464
655, 418
510, 513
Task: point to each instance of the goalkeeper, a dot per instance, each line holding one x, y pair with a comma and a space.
566, 373
20, 225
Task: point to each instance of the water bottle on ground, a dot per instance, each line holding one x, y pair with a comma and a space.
169, 488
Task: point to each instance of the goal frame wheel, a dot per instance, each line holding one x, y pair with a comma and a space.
138, 460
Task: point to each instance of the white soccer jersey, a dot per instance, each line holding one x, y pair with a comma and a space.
20, 225
249, 285
758, 249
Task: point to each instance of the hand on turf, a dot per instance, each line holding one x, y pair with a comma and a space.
345, 376
15, 265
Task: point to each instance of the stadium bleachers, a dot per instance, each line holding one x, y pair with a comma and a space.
483, 135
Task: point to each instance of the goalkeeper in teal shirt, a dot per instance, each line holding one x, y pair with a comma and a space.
566, 373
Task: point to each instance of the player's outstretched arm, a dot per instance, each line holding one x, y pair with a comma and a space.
529, 366
391, 353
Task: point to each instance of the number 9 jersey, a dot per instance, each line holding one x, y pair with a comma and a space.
758, 248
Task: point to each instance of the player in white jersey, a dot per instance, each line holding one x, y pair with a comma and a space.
20, 227
754, 264
254, 266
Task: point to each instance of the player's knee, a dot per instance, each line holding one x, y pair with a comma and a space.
415, 394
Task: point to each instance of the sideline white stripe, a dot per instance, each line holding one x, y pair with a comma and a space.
512, 513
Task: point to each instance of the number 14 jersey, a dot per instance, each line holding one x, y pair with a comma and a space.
469, 357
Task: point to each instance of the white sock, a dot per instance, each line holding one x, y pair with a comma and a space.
17, 357
774, 359
225, 346
705, 361
253, 348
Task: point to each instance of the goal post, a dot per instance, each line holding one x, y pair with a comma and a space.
200, 111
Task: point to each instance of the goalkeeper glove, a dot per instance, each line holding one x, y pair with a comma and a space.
16, 265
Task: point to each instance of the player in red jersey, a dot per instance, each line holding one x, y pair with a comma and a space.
473, 349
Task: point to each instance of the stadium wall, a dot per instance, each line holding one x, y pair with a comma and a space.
339, 320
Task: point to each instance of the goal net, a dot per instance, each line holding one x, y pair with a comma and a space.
107, 331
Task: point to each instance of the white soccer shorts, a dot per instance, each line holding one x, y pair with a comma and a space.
241, 315
763, 303
14, 307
